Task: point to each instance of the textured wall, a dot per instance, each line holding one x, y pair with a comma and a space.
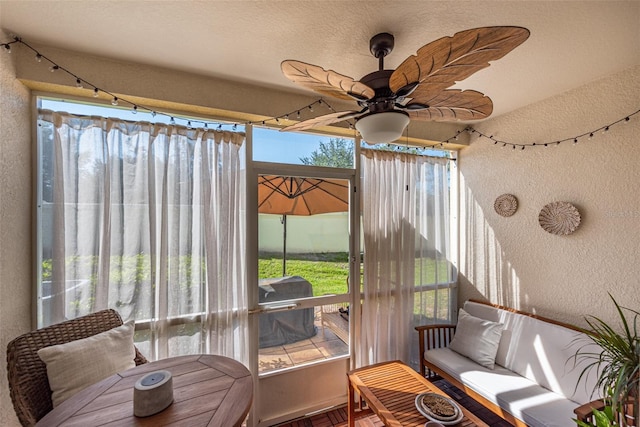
512, 261
15, 218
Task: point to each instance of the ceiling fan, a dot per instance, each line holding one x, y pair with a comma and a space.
417, 89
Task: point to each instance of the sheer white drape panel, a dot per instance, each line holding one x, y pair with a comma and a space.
148, 219
405, 223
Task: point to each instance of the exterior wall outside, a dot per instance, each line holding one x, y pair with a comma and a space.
513, 261
305, 234
15, 218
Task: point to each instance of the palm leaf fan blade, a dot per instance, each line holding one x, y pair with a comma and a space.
324, 120
326, 82
445, 61
453, 104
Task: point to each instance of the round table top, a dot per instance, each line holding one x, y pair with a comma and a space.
208, 390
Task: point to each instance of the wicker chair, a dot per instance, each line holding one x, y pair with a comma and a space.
27, 373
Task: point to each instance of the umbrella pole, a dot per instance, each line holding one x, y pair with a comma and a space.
284, 246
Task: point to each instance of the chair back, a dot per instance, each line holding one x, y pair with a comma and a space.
27, 373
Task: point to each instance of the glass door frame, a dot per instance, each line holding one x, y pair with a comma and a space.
253, 170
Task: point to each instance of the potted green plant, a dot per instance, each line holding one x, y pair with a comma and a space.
617, 362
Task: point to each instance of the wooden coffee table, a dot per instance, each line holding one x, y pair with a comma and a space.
208, 390
389, 390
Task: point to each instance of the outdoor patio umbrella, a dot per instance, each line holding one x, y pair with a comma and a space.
286, 195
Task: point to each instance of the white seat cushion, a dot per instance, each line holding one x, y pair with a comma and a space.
523, 398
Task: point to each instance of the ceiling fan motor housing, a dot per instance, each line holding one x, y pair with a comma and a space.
384, 98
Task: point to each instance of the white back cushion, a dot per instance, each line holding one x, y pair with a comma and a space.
73, 366
477, 339
540, 351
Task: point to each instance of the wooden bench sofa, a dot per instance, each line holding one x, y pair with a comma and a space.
533, 380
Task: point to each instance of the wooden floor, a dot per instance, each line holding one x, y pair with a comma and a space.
334, 418
338, 417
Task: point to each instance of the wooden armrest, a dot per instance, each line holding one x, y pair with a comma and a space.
585, 412
433, 336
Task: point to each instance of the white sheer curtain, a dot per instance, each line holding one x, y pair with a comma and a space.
149, 219
405, 216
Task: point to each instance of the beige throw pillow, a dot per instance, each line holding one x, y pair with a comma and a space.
78, 364
477, 339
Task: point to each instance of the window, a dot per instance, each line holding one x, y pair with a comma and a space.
145, 218
270, 145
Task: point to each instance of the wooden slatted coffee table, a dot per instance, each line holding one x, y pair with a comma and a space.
389, 390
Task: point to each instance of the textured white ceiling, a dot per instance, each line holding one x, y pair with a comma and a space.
571, 42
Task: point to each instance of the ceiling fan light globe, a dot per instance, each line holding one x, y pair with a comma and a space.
382, 128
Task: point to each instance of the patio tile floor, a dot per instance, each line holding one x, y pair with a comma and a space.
324, 345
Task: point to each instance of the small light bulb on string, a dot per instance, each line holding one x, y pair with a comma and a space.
134, 110
7, 48
626, 119
38, 57
311, 108
114, 101
206, 126
286, 117
96, 91
523, 148
277, 120
235, 126
153, 113
575, 141
546, 145
605, 130
298, 114
189, 123
53, 68
79, 83
591, 136
172, 121
514, 147
504, 145
219, 127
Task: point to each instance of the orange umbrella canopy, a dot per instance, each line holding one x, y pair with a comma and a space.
286, 195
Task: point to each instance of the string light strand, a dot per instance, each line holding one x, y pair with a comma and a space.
574, 140
81, 82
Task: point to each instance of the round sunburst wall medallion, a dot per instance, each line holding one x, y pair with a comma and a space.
506, 205
559, 218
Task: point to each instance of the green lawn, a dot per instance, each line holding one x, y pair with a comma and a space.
328, 272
